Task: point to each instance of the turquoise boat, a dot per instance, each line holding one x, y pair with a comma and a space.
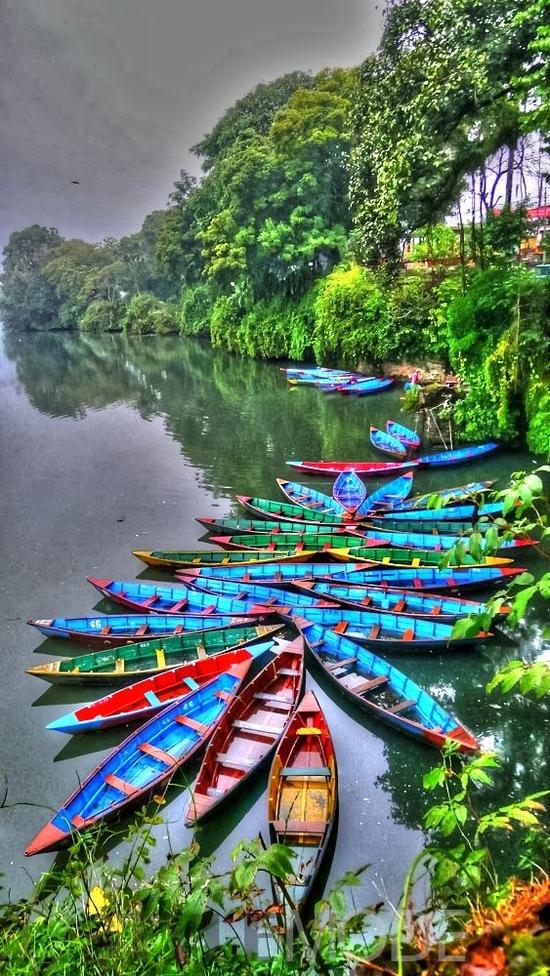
349, 491
171, 599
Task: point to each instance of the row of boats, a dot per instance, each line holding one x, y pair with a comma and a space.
337, 381
343, 579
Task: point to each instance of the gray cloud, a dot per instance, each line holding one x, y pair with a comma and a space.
113, 92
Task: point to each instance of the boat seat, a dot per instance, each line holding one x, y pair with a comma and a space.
153, 699
191, 723
224, 695
288, 672
341, 627
300, 826
402, 706
161, 659
179, 605
415, 563
374, 632
191, 683
408, 634
160, 754
435, 611
201, 650
121, 785
366, 601
142, 630
105, 630
343, 663
255, 727
119, 665
272, 701
305, 771
417, 583
179, 630
369, 685
214, 791
150, 600
400, 606
242, 762
78, 821
315, 644
211, 608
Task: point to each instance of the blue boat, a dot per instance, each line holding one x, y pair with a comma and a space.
429, 525
146, 760
366, 386
430, 541
384, 691
448, 513
349, 491
382, 441
388, 495
170, 599
110, 630
445, 496
409, 437
388, 629
459, 456
391, 600
315, 501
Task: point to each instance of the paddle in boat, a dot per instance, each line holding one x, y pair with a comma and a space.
151, 657
139, 701
113, 629
170, 599
175, 559
349, 491
303, 795
249, 731
383, 691
145, 761
407, 436
382, 441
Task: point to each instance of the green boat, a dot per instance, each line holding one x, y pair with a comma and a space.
130, 662
179, 559
268, 508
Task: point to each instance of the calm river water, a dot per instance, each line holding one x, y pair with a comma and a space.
111, 444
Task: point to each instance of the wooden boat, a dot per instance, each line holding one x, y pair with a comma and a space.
176, 559
428, 540
142, 699
366, 469
148, 658
392, 600
145, 761
428, 526
249, 731
312, 377
170, 599
387, 495
382, 441
303, 795
449, 514
285, 512
409, 437
113, 629
341, 550
251, 595
416, 578
447, 496
349, 491
459, 456
243, 526
310, 541
308, 498
364, 387
383, 691
390, 631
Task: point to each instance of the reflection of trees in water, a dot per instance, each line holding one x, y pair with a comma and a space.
235, 419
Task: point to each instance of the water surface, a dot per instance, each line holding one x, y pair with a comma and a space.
111, 444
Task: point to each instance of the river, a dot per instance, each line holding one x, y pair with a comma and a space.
111, 444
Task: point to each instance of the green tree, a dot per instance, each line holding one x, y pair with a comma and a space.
146, 314
29, 301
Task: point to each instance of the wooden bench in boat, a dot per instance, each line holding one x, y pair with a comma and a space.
242, 762
342, 663
160, 754
245, 726
368, 684
300, 826
305, 771
288, 672
273, 699
121, 785
192, 723
214, 791
402, 706
153, 699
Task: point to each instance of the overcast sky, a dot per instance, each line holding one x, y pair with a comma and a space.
113, 92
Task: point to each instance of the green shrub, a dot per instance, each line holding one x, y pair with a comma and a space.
195, 310
224, 323
102, 315
349, 316
537, 408
146, 314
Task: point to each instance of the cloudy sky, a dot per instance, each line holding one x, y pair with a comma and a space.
113, 92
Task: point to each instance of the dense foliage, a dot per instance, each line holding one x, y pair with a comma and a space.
291, 243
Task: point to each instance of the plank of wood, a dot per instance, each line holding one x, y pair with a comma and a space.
402, 706
343, 663
255, 727
369, 685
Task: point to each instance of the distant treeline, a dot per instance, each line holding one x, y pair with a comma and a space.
291, 243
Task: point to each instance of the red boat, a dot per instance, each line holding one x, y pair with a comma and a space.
364, 468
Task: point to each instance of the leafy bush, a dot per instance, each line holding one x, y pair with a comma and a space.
195, 310
537, 408
102, 315
349, 316
224, 323
146, 314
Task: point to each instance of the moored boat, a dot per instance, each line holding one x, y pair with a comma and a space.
387, 495
446, 496
365, 469
382, 441
267, 508
146, 760
303, 795
366, 386
249, 731
349, 491
176, 558
142, 699
384, 691
292, 541
458, 456
131, 662
407, 436
113, 629
448, 514
309, 498
170, 599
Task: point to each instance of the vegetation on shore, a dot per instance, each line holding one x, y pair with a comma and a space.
290, 245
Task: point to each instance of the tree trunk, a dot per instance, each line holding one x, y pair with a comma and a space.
510, 174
